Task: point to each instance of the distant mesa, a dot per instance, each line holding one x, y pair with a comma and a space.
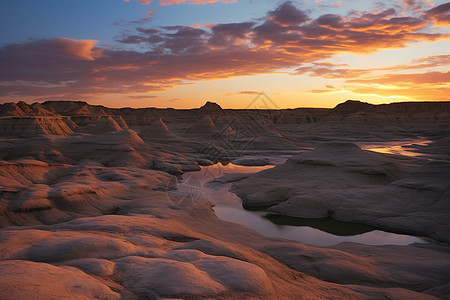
21, 109
73, 108
401, 109
211, 108
35, 109
81, 117
352, 106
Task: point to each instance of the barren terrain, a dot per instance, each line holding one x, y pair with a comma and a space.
89, 205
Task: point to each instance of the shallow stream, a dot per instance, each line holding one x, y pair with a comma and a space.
318, 232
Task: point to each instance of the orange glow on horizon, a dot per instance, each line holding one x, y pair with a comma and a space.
376, 56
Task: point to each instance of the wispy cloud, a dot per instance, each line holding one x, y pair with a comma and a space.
387, 81
336, 71
244, 93
142, 96
143, 2
285, 37
170, 2
196, 2
423, 86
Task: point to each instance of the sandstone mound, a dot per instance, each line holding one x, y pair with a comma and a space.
167, 278
211, 108
113, 148
341, 181
249, 132
231, 273
348, 155
44, 281
120, 121
11, 109
261, 135
24, 172
35, 109
70, 123
328, 167
138, 117
32, 126
94, 266
33, 192
222, 123
157, 130
122, 148
24, 109
103, 124
205, 126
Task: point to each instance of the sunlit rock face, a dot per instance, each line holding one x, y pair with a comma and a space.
32, 126
88, 205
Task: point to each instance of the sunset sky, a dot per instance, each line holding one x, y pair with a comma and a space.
181, 53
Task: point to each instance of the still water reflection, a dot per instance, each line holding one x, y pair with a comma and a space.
406, 148
319, 232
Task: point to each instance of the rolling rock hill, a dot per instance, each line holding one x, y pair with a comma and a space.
83, 201
256, 129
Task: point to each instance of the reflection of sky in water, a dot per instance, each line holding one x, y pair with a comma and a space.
211, 172
399, 148
228, 207
308, 235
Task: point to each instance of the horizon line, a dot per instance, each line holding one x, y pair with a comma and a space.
213, 102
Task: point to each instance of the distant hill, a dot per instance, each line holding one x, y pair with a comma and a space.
353, 106
211, 108
82, 108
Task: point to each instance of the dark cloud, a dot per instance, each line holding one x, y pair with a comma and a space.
329, 20
440, 14
148, 31
228, 34
287, 14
